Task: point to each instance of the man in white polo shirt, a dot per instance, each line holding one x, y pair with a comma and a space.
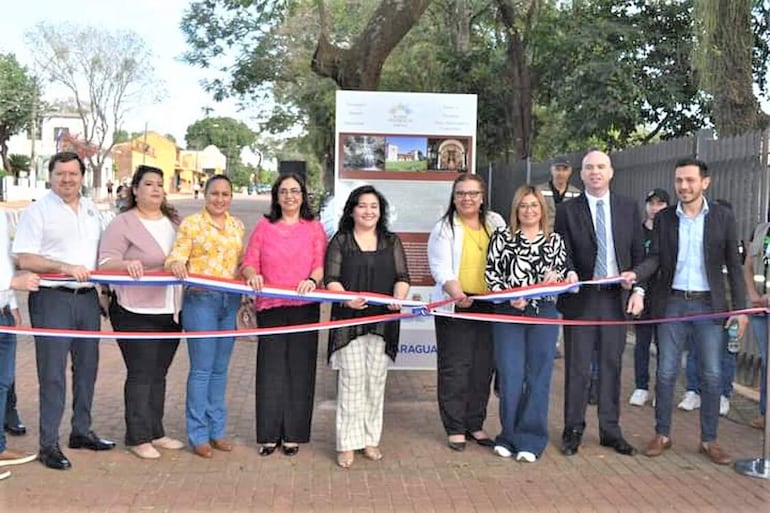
60, 234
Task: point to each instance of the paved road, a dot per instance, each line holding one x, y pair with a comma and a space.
418, 473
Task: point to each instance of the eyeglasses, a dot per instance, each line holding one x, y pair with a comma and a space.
289, 192
467, 194
525, 206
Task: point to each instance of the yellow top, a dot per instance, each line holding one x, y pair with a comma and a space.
473, 260
208, 249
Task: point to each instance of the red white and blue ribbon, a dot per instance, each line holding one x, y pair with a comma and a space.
415, 308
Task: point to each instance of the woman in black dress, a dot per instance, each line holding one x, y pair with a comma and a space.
365, 257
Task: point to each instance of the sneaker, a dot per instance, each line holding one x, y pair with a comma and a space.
724, 405
758, 422
639, 397
501, 451
10, 457
690, 401
5, 475
526, 456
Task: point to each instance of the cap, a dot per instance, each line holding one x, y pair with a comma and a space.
661, 194
561, 162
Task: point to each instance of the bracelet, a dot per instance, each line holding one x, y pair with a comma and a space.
310, 278
639, 290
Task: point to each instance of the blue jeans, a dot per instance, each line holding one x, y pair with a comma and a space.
759, 323
206, 411
7, 364
708, 339
728, 364
524, 358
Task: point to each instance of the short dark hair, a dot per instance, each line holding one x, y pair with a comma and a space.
692, 161
275, 213
214, 178
66, 156
346, 221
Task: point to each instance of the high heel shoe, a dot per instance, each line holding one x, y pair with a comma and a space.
267, 449
345, 459
373, 453
484, 442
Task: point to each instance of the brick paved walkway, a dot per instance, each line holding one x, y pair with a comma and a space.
418, 472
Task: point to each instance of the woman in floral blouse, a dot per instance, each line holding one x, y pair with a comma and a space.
209, 243
525, 253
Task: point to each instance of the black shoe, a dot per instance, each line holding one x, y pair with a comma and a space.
15, 429
290, 450
90, 441
456, 446
484, 442
593, 392
267, 450
53, 458
619, 444
570, 441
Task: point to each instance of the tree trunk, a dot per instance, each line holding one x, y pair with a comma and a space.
736, 109
519, 76
359, 67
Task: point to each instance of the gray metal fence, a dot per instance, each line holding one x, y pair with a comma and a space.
739, 171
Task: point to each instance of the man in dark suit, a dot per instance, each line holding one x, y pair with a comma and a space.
603, 234
692, 242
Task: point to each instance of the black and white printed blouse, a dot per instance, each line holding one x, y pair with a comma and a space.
515, 261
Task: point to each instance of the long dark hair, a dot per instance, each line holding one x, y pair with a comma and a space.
166, 208
449, 215
346, 221
275, 213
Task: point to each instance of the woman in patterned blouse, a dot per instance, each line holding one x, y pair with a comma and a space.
525, 253
210, 243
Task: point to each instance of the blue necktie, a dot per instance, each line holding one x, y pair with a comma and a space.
600, 270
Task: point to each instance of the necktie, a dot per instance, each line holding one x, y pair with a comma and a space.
600, 269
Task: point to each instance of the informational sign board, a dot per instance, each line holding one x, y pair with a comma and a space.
410, 147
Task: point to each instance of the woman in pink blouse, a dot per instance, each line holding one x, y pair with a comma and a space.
286, 249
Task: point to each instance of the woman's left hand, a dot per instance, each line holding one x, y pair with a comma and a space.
519, 304
395, 307
306, 286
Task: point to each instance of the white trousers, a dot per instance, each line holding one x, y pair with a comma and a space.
363, 370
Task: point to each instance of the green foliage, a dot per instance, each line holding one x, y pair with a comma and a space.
19, 162
227, 134
19, 100
610, 68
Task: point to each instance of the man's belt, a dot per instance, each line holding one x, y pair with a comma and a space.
691, 295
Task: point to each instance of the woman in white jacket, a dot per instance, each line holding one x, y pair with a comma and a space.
457, 253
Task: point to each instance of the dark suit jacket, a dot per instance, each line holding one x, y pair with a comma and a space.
574, 224
720, 249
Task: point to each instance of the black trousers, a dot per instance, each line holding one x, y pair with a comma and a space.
147, 363
62, 308
286, 366
11, 413
579, 343
465, 365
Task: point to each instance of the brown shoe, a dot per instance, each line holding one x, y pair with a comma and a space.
715, 453
203, 450
223, 444
657, 446
10, 457
758, 422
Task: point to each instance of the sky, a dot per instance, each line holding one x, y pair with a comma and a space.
157, 22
